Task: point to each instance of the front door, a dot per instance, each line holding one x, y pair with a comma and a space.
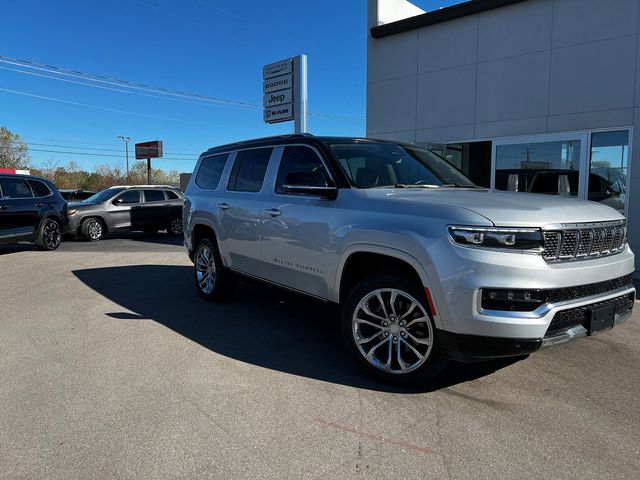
124, 210
297, 229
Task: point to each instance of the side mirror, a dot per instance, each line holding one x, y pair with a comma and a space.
117, 201
309, 183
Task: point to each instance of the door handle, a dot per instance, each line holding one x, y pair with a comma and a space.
3, 207
274, 212
166, 204
39, 205
223, 206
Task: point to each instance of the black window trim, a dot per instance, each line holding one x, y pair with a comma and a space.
233, 164
277, 172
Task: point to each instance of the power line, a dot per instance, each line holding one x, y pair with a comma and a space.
18, 142
144, 87
96, 154
87, 105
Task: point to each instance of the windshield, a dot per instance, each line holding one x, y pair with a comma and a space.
371, 165
102, 196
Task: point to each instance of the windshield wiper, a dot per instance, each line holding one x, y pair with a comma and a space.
459, 185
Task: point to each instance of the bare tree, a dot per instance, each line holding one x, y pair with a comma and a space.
14, 153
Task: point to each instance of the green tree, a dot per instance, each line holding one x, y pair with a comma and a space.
14, 153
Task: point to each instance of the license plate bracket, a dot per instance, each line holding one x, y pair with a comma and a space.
601, 319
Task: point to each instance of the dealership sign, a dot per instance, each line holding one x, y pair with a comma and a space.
284, 89
149, 150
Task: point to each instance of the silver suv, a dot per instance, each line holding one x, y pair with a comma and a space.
425, 265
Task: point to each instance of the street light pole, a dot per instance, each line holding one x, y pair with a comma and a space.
126, 141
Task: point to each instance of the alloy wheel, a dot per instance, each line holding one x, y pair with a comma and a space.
392, 331
94, 229
176, 226
51, 234
205, 269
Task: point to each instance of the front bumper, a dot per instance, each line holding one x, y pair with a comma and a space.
570, 320
464, 273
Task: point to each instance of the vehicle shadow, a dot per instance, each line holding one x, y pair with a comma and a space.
162, 238
262, 326
16, 247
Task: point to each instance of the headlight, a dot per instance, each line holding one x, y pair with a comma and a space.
496, 237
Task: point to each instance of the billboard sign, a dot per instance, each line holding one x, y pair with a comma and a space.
284, 89
149, 150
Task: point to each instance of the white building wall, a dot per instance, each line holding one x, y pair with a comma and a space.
537, 66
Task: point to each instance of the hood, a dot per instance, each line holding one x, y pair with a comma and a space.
505, 209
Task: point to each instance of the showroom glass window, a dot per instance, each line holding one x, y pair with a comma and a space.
608, 165
539, 167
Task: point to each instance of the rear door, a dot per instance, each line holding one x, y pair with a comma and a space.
18, 211
176, 203
239, 209
155, 208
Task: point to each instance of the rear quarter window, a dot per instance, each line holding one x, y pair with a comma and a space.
39, 189
210, 171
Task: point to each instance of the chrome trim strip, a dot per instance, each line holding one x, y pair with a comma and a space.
543, 310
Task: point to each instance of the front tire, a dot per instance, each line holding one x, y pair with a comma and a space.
213, 281
388, 328
49, 235
92, 229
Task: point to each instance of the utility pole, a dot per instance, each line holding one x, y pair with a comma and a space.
126, 141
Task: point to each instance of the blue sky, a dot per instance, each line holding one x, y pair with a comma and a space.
210, 47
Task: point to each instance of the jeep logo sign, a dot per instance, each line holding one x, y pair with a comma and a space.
277, 98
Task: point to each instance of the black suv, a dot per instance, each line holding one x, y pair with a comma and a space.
31, 210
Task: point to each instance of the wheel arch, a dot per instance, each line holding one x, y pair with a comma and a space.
100, 217
361, 261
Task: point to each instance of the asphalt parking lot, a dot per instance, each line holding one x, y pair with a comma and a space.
112, 367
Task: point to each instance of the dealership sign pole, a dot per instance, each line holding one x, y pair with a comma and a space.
149, 150
284, 88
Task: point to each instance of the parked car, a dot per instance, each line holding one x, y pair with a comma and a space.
425, 265
146, 208
31, 210
72, 195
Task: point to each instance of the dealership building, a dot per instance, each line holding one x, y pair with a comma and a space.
523, 95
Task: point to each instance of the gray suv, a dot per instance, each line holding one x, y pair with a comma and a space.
146, 208
425, 265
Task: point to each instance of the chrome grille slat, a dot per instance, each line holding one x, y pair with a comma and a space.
579, 241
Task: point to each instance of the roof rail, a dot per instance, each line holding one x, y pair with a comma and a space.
141, 186
263, 139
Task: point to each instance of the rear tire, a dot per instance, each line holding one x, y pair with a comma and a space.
49, 235
396, 339
175, 227
213, 281
92, 229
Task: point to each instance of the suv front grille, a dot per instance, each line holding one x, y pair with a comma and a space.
586, 240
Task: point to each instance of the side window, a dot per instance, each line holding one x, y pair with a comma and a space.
171, 195
301, 165
129, 197
153, 196
16, 188
249, 170
210, 171
39, 188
